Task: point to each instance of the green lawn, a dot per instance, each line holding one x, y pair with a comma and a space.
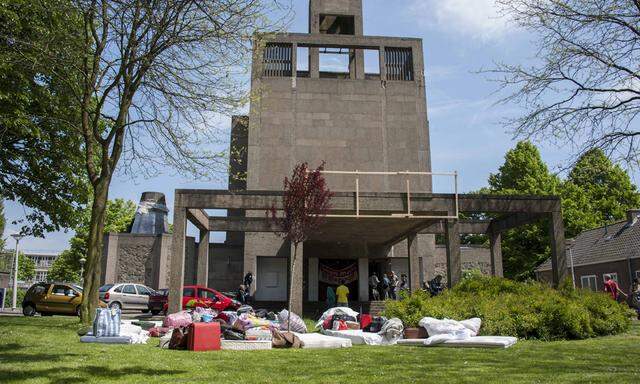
47, 350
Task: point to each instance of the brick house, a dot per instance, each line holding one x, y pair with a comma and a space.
613, 249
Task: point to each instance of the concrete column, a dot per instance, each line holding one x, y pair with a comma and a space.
454, 263
176, 277
110, 259
164, 261
202, 271
383, 65
428, 256
313, 279
363, 279
294, 64
414, 262
495, 245
295, 279
314, 63
558, 250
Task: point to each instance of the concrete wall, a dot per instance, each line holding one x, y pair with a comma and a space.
621, 267
136, 258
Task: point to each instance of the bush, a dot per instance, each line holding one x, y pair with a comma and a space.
526, 310
8, 297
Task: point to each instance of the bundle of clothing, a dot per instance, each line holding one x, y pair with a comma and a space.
245, 324
346, 323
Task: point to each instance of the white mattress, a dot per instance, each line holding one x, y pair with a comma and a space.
472, 342
357, 336
245, 345
319, 341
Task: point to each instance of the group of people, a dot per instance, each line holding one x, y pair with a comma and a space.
387, 287
633, 298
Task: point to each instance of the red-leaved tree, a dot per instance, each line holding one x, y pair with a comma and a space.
305, 204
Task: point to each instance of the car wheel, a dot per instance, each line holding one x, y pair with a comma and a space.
29, 310
155, 312
115, 305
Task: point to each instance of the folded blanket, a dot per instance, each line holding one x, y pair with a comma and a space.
444, 330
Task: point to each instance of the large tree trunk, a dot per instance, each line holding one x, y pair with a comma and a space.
293, 271
93, 265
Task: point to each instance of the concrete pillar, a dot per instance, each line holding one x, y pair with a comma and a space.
314, 63
313, 279
363, 279
454, 263
414, 262
202, 271
558, 251
428, 241
176, 277
383, 64
495, 246
295, 279
164, 261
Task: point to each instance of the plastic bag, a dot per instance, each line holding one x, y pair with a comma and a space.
178, 319
106, 323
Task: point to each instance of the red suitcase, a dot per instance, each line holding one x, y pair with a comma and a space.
204, 337
365, 320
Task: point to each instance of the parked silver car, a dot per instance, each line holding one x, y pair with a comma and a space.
126, 296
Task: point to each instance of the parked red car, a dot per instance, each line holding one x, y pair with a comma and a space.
204, 297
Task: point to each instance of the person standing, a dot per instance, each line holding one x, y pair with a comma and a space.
393, 289
342, 293
248, 280
635, 296
386, 284
611, 287
331, 297
373, 285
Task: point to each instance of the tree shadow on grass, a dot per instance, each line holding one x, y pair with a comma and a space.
63, 375
34, 357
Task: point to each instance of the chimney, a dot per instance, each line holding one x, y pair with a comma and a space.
632, 216
151, 215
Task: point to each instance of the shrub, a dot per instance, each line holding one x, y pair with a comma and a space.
8, 297
526, 310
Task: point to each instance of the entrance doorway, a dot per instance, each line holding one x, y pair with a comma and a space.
271, 279
331, 272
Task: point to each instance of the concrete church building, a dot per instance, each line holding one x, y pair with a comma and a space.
372, 130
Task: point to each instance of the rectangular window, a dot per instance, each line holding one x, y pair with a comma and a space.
277, 60
372, 64
302, 61
337, 25
614, 276
334, 63
399, 63
589, 282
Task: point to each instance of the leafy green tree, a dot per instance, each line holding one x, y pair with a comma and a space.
524, 173
119, 217
600, 190
26, 267
41, 157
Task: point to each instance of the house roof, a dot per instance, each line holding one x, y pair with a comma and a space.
616, 241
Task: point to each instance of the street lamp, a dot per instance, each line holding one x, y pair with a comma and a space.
82, 261
14, 298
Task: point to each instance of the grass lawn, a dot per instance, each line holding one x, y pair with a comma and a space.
47, 350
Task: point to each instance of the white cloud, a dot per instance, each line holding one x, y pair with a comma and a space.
477, 19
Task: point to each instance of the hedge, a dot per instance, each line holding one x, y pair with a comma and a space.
528, 310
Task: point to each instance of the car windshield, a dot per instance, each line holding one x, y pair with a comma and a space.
105, 288
77, 287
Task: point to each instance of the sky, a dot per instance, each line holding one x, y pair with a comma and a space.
460, 37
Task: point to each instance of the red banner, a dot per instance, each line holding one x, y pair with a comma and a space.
334, 276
